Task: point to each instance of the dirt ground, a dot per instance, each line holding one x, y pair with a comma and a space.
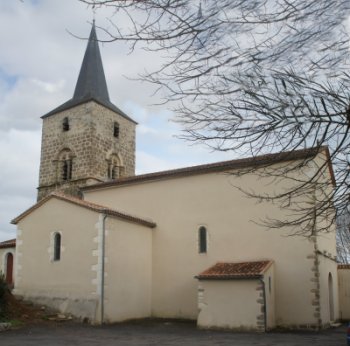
25, 313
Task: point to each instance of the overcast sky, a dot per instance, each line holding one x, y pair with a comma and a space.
39, 66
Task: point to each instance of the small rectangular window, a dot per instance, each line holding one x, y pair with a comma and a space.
202, 235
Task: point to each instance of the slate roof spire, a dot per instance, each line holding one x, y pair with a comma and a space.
92, 81
91, 84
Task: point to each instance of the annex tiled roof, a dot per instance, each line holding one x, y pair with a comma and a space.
227, 271
343, 266
8, 243
258, 161
89, 205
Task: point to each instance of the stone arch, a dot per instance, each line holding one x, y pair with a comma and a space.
64, 165
115, 166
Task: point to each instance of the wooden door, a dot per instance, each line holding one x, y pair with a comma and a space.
9, 269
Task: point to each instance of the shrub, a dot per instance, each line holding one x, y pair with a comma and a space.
3, 296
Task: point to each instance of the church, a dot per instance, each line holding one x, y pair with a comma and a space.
106, 245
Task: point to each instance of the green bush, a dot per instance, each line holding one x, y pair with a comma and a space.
3, 294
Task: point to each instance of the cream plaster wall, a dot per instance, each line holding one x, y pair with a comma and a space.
128, 271
180, 206
74, 283
229, 304
325, 265
70, 284
344, 294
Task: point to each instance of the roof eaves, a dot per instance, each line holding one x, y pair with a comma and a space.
88, 205
74, 103
258, 161
8, 244
30, 209
228, 277
236, 270
343, 266
329, 162
105, 210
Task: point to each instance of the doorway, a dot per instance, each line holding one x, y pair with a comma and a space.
9, 269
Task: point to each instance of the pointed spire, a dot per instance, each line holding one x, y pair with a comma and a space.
92, 81
91, 84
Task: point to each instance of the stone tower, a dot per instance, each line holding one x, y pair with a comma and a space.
87, 139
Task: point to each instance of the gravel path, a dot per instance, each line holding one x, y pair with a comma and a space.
160, 333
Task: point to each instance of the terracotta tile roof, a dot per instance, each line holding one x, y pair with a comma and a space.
89, 205
258, 161
227, 271
343, 266
8, 243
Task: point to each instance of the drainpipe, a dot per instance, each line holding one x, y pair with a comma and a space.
261, 279
102, 297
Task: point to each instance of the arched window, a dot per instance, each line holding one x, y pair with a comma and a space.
114, 169
65, 165
57, 247
114, 172
116, 130
65, 124
67, 170
202, 240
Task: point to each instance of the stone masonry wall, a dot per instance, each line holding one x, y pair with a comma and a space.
90, 141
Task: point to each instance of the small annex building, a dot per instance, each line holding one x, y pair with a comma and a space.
7, 260
107, 245
252, 282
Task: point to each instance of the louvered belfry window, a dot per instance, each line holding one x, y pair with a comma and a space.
116, 130
65, 124
67, 170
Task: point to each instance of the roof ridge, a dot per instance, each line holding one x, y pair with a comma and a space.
260, 160
89, 205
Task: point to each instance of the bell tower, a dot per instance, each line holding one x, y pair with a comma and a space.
87, 139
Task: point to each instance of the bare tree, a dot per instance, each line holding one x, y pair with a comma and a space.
254, 77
